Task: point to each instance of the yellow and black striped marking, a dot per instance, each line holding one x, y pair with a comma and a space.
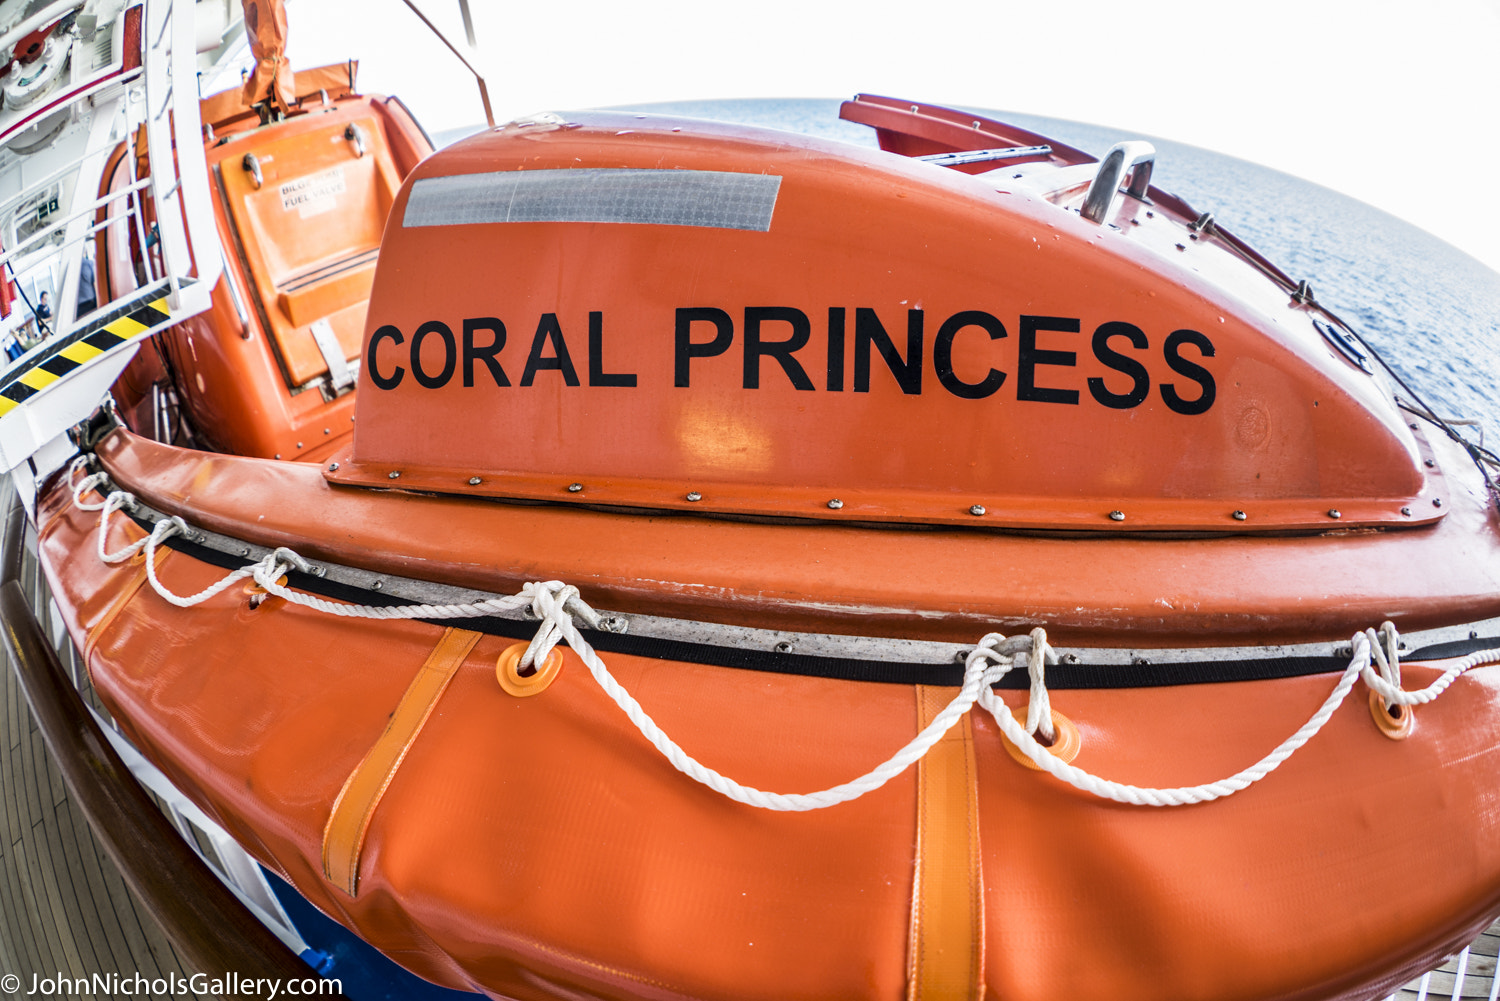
79, 348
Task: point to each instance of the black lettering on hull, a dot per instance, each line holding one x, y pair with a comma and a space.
433, 355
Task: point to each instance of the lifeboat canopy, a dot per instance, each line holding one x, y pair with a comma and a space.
649, 312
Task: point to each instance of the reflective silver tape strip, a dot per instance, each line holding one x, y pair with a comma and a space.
712, 198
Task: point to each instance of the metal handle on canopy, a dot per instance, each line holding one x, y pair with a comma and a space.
966, 156
1138, 158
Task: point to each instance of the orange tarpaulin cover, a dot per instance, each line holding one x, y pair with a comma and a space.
272, 80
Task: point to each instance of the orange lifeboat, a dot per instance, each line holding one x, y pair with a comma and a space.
762, 567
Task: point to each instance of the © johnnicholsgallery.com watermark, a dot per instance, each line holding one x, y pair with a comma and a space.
130, 985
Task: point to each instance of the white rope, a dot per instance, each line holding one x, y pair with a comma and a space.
1385, 679
974, 675
166, 528
268, 571
1375, 659
1141, 796
114, 502
1039, 703
80, 487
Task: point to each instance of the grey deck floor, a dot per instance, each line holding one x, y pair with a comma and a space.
64, 908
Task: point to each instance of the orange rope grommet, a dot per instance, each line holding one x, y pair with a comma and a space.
253, 588
1064, 748
508, 671
1396, 727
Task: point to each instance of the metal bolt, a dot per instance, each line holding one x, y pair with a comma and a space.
1406, 511
299, 444
1240, 516
694, 495
333, 467
1070, 658
1429, 463
278, 455
977, 510
378, 585
474, 481
835, 504
1333, 512
961, 656
1412, 426
394, 474
1437, 502
1181, 246
574, 488
1117, 516
783, 647
326, 431
244, 550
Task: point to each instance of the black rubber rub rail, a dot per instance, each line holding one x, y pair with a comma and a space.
950, 674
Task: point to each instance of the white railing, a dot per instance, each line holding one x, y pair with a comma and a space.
128, 81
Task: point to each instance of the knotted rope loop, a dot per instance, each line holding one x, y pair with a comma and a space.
549, 604
277, 562
553, 597
1385, 649
1031, 653
83, 486
79, 487
1382, 672
116, 501
1039, 706
81, 461
554, 603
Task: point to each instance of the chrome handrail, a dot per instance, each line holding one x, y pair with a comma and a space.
1137, 157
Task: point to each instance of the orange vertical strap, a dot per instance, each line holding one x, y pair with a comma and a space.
344, 835
946, 958
118, 605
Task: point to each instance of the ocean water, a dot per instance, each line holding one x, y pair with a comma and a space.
1432, 311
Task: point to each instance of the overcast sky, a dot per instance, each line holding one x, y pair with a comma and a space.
1392, 103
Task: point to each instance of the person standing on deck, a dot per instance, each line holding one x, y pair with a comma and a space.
87, 297
43, 315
